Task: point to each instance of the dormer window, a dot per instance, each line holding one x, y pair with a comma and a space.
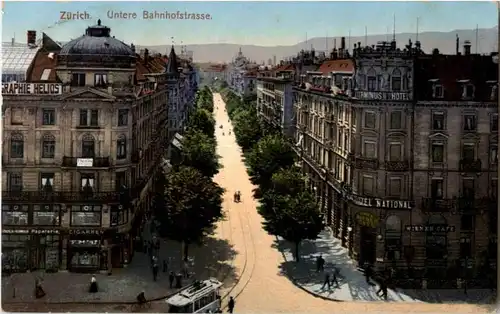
437, 89
396, 80
100, 80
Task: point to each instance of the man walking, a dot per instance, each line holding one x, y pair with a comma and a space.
155, 269
171, 278
326, 282
320, 264
230, 305
368, 273
334, 279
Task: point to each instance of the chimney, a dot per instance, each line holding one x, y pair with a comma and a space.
31, 37
132, 46
342, 43
146, 56
457, 46
13, 41
467, 46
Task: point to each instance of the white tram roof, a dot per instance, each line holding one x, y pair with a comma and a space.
191, 293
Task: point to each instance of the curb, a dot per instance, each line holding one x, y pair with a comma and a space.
294, 281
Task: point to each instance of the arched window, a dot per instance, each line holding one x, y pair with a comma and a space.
88, 146
371, 80
396, 81
17, 146
393, 238
48, 146
121, 147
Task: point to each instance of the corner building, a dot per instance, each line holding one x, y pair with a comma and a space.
83, 133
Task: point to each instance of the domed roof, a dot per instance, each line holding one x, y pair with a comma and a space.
97, 41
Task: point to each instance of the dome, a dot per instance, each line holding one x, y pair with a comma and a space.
97, 41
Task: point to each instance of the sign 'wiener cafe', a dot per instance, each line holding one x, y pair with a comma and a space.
35, 89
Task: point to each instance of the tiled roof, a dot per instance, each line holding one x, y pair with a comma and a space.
285, 67
43, 68
345, 65
156, 64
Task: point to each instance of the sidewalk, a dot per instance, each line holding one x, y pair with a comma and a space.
353, 286
207, 260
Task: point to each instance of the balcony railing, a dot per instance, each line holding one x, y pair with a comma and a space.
60, 197
467, 165
97, 162
437, 205
365, 163
403, 165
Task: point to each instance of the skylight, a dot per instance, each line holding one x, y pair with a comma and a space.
45, 74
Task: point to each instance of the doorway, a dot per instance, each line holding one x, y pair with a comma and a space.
368, 245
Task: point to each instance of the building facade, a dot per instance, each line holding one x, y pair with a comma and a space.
241, 75
82, 137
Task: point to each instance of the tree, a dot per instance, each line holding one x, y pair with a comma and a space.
288, 181
246, 128
269, 155
204, 99
194, 205
202, 120
294, 218
199, 151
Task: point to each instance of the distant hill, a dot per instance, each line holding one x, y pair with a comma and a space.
444, 41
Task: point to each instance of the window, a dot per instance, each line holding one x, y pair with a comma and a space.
46, 215
100, 80
468, 91
78, 79
122, 117
467, 222
494, 92
14, 215
86, 215
49, 117
494, 123
372, 80
395, 151
87, 182
468, 152
370, 120
15, 182
396, 119
438, 121
465, 248
438, 91
493, 154
395, 186
47, 182
437, 188
119, 215
368, 184
48, 146
121, 147
89, 117
17, 146
88, 146
396, 80
470, 122
437, 152
369, 149
468, 188
120, 180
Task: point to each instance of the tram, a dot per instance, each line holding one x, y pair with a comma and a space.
199, 297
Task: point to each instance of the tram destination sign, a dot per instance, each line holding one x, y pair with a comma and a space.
383, 96
31, 89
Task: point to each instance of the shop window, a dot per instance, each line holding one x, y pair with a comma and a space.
436, 243
119, 215
46, 215
14, 252
85, 258
86, 215
393, 237
14, 215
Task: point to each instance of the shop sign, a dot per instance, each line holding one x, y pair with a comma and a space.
31, 89
30, 231
430, 228
86, 232
380, 203
389, 96
85, 242
367, 219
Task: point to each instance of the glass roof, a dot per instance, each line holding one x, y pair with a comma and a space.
17, 58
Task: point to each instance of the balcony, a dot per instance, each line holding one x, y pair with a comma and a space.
84, 162
403, 165
365, 163
470, 205
433, 205
467, 165
59, 197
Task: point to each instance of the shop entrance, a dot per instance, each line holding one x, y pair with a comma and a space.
368, 245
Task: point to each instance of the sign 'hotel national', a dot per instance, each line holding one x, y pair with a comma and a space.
31, 89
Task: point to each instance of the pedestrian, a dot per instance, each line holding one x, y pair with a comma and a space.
155, 270
171, 278
165, 266
185, 269
326, 282
320, 264
39, 292
93, 285
334, 278
178, 281
368, 273
382, 288
230, 305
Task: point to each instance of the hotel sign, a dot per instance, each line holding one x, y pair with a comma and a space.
380, 203
383, 96
31, 89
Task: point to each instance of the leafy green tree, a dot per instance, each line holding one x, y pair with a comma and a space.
199, 151
294, 218
202, 120
270, 154
204, 99
246, 128
288, 181
193, 206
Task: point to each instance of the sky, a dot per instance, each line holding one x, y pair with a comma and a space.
257, 23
